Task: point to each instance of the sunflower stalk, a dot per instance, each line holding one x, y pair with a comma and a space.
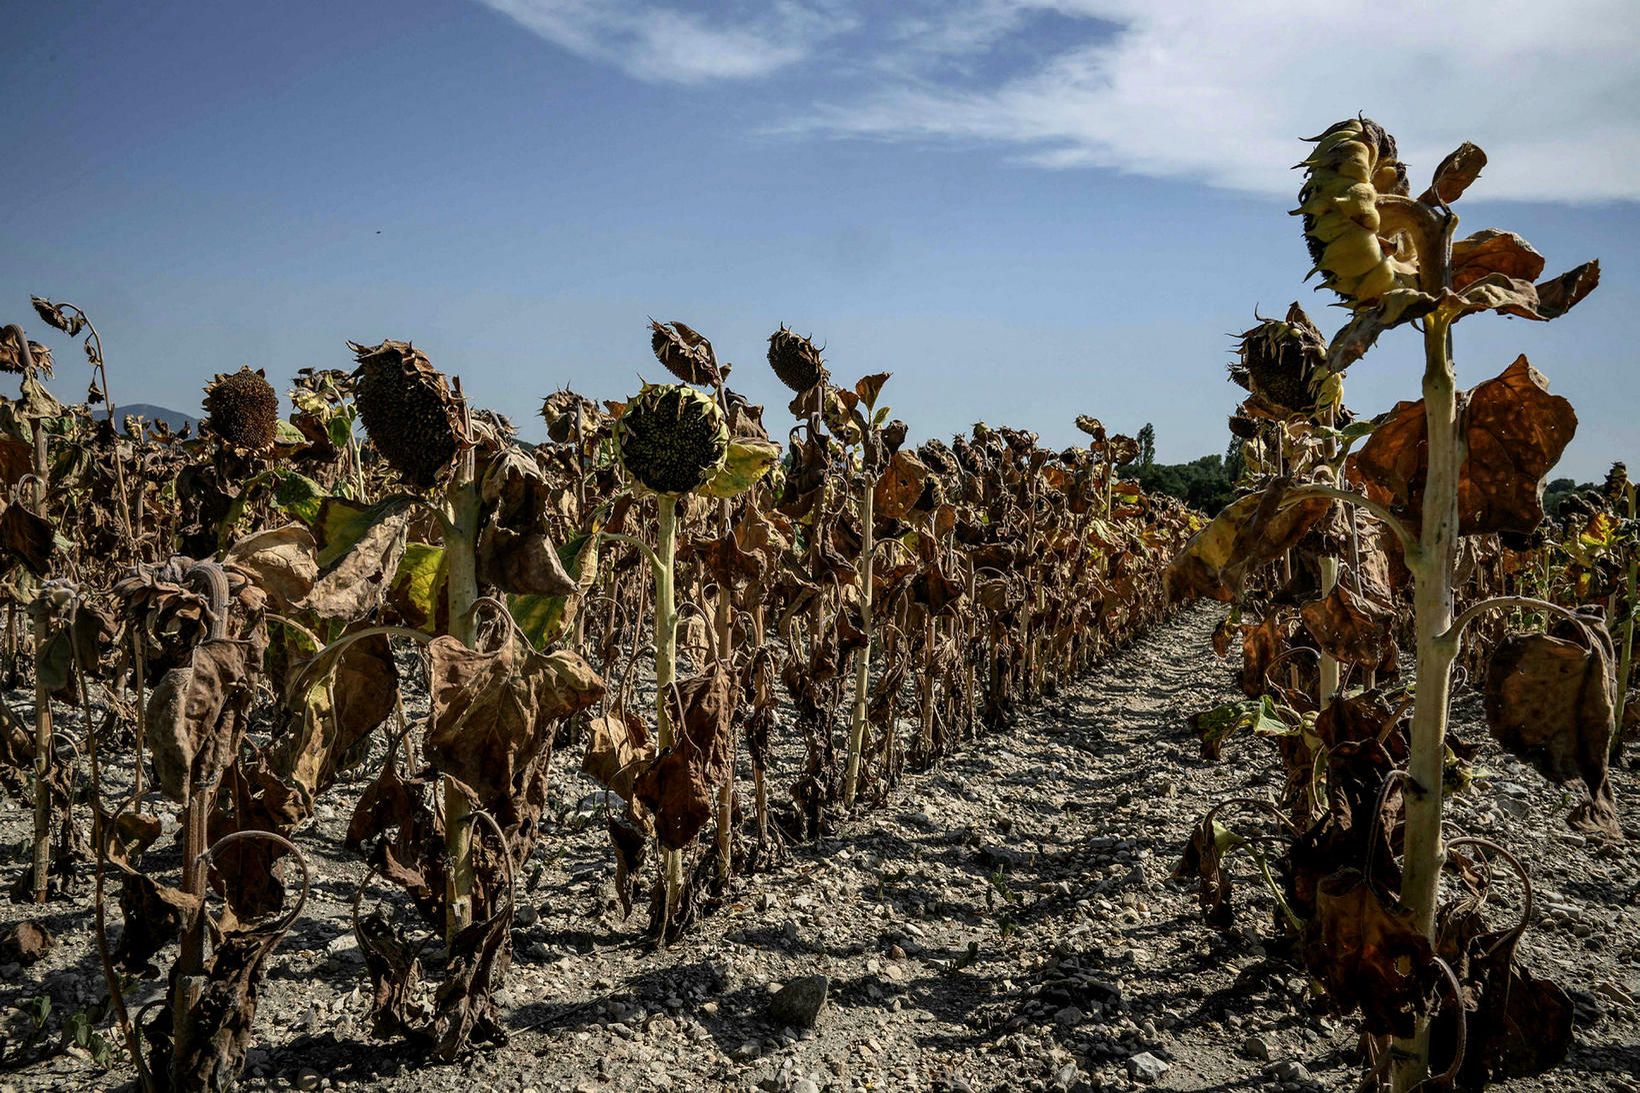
862, 662
463, 514
1432, 566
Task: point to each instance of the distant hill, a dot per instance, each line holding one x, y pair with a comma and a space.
176, 419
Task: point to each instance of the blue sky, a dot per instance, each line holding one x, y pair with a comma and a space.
1024, 210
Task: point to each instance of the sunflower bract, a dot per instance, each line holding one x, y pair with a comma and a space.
1353, 163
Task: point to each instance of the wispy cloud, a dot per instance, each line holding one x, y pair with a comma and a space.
1174, 88
662, 44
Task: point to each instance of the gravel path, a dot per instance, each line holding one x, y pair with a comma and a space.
1004, 922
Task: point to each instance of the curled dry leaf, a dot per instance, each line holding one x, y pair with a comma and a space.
359, 551
1203, 860
1352, 629
1356, 945
493, 717
282, 562
1250, 532
1456, 173
196, 717
1515, 431
618, 746
515, 553
900, 486
1549, 700
325, 727
678, 787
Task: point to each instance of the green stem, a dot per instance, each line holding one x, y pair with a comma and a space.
1432, 570
666, 670
862, 663
1626, 660
461, 557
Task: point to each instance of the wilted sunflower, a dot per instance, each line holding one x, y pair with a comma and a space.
672, 438
795, 360
1353, 163
1282, 361
685, 353
407, 409
243, 409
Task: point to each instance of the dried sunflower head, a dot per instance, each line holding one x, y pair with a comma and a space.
407, 409
1282, 361
12, 356
795, 360
685, 353
672, 438
243, 409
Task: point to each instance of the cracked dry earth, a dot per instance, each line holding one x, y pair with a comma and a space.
1004, 922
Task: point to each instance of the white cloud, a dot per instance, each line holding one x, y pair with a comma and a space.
1217, 92
665, 45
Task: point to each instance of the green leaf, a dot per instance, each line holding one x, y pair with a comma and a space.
748, 460
298, 495
418, 589
286, 433
546, 619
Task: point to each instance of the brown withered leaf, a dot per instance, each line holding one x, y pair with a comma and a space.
248, 872
1515, 431
1204, 862
1250, 532
1354, 946
153, 913
318, 739
1549, 700
899, 487
282, 562
27, 538
1517, 1025
618, 746
196, 717
1352, 629
514, 551
1493, 251
219, 1026
1456, 173
1541, 302
678, 786
494, 715
359, 551
25, 943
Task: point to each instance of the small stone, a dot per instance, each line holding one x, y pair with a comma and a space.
798, 1003
307, 1079
1256, 1048
1293, 1071
1145, 1067
804, 1085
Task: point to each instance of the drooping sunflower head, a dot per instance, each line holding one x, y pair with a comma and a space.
795, 360
685, 353
1282, 361
243, 409
407, 410
672, 438
1353, 163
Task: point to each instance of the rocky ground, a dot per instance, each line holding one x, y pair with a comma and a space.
1004, 922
